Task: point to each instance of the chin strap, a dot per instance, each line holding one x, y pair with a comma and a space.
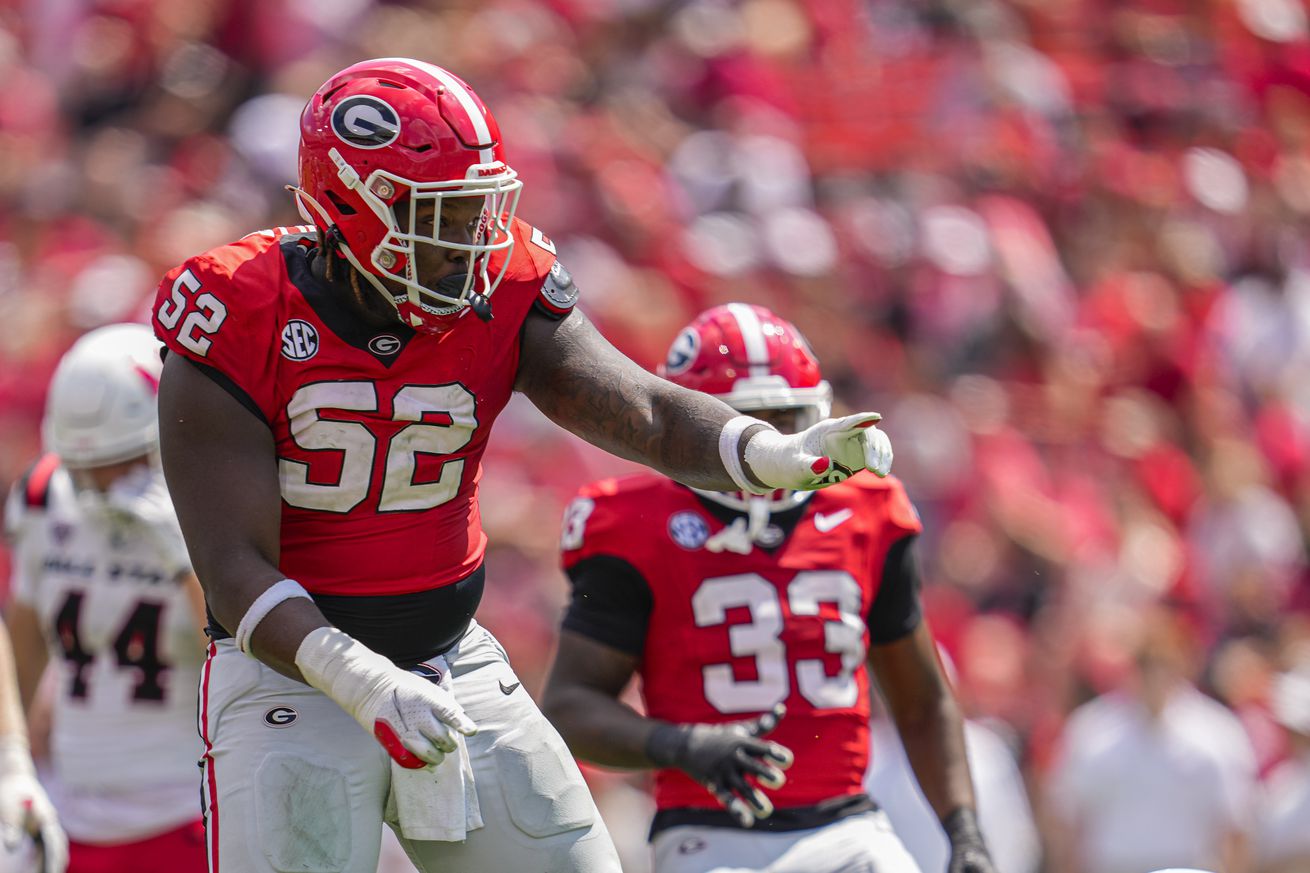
741, 536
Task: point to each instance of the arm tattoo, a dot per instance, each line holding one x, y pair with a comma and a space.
588, 387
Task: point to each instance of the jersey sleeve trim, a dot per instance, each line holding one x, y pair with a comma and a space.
896, 609
611, 603
225, 382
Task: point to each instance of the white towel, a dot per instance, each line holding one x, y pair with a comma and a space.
437, 802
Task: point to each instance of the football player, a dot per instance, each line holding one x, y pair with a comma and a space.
735, 608
103, 589
326, 399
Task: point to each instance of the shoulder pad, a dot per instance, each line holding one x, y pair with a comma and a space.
558, 293
30, 496
35, 483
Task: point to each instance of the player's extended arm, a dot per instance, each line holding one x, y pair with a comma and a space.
582, 701
221, 466
23, 802
585, 385
29, 649
928, 721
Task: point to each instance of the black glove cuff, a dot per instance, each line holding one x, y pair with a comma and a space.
665, 745
961, 826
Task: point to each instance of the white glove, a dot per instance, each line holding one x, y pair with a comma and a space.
410, 716
25, 808
826, 453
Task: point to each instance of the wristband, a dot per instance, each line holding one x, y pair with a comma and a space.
282, 590
665, 744
730, 454
961, 826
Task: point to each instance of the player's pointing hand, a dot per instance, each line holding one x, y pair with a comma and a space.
823, 454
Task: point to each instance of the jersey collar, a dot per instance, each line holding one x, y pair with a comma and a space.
328, 300
785, 521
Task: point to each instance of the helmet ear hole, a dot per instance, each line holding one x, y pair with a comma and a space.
340, 204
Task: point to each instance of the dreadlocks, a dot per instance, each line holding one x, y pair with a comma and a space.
340, 274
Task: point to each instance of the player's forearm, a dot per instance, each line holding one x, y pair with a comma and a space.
582, 383
681, 438
233, 584
11, 709
599, 728
277, 637
30, 654
933, 736
1235, 852
639, 417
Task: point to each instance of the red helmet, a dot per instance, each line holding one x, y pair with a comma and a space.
396, 131
752, 360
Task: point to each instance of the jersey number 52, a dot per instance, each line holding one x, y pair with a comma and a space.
206, 316
441, 420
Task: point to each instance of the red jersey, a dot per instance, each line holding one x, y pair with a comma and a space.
728, 635
379, 431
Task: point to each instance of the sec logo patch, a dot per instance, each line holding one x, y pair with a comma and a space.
688, 530
299, 340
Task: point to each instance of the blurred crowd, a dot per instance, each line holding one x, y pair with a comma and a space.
1061, 245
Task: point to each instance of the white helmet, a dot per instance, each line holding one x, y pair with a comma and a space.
101, 408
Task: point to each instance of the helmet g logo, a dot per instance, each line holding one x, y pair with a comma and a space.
683, 352
365, 122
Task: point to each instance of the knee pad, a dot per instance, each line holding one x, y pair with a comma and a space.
542, 786
303, 814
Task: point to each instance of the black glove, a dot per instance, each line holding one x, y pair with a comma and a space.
721, 756
968, 851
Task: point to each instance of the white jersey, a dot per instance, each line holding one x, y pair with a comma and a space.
126, 648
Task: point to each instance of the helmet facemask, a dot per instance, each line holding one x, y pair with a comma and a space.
410, 213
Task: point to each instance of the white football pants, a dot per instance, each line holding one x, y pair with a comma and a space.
862, 843
294, 785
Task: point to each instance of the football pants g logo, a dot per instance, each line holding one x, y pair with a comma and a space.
280, 717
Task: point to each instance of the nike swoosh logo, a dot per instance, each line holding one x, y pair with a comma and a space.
826, 522
509, 689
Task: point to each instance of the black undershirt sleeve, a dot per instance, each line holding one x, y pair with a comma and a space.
611, 603
896, 610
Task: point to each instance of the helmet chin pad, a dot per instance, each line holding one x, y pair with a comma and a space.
777, 501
